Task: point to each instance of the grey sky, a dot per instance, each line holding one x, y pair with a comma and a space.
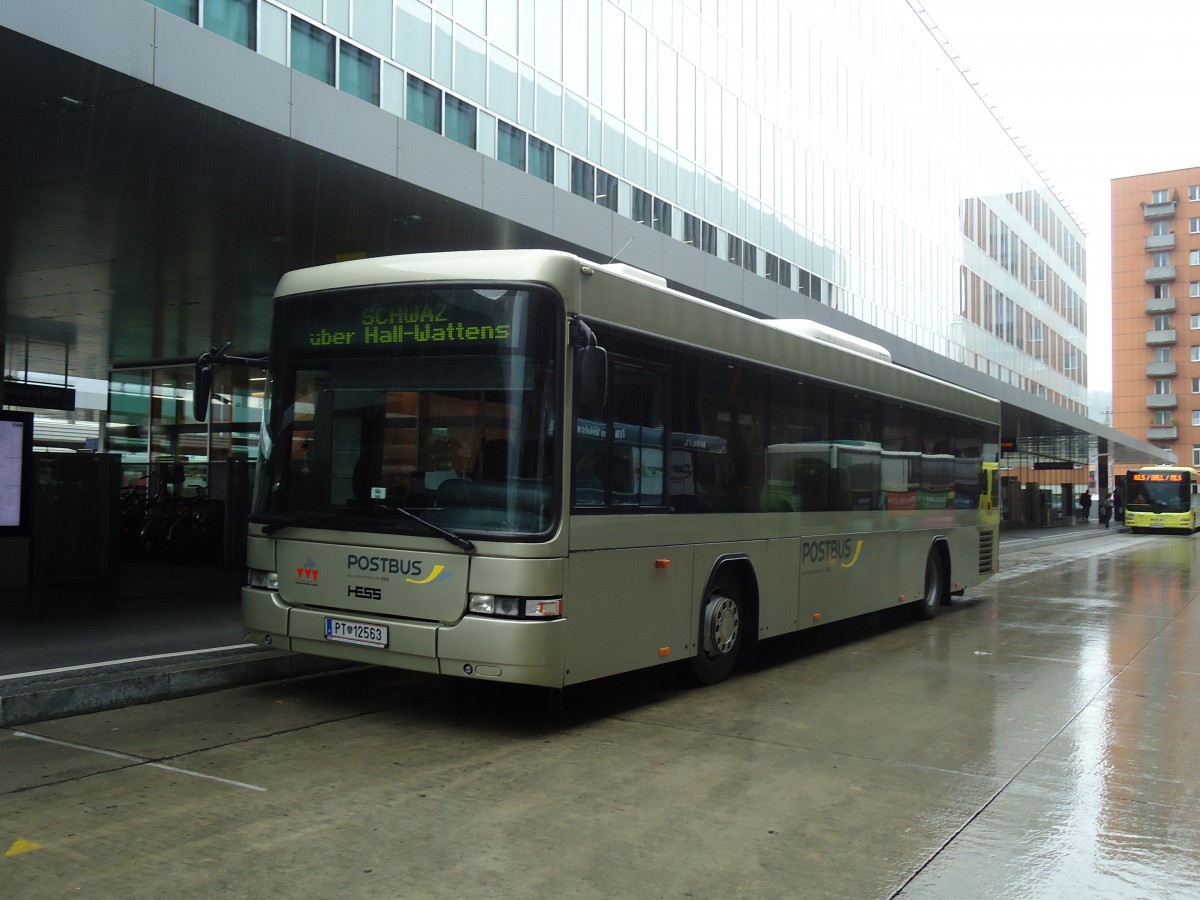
1095, 90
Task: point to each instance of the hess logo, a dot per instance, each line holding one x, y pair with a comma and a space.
361, 592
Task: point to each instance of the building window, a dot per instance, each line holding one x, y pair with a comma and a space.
1196, 456
185, 9
1162, 226
1196, 385
461, 121
1162, 196
1162, 354
232, 19
1162, 417
1161, 259
734, 253
359, 73
1195, 353
708, 238
691, 230
643, 211
541, 159
424, 105
1162, 386
510, 146
1195, 321
1194, 192
583, 179
1162, 291
606, 190
1195, 418
1162, 323
662, 217
312, 51
1194, 225
778, 270
1194, 257
1194, 289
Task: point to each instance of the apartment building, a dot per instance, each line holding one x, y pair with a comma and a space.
1156, 309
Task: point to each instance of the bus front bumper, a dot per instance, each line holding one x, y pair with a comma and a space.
522, 652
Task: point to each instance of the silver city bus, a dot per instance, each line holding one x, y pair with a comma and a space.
523, 466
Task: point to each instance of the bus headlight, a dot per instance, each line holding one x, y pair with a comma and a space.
260, 578
516, 607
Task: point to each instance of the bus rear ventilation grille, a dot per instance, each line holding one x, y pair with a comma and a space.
987, 550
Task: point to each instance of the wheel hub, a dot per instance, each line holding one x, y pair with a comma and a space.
720, 626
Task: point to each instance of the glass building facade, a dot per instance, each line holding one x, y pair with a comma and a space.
833, 148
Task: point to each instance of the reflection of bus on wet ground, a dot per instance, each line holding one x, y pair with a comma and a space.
1162, 498
522, 466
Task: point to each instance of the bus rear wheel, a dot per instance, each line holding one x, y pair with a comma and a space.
935, 586
722, 618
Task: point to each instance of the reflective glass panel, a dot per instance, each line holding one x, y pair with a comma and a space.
312, 51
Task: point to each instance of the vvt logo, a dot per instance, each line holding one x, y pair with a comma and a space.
307, 573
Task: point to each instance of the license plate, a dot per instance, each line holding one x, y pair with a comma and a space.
361, 633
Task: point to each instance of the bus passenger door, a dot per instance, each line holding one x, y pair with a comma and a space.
628, 593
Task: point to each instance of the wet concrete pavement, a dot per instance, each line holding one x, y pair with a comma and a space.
1036, 740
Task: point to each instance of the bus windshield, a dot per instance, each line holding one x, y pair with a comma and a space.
413, 410
1159, 491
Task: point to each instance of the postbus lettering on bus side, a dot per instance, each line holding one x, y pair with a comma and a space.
827, 550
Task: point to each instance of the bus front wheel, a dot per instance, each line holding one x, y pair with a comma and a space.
722, 619
935, 586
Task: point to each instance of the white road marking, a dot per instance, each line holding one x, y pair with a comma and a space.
138, 759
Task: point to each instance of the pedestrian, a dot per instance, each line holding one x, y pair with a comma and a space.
1106, 509
1085, 503
1118, 510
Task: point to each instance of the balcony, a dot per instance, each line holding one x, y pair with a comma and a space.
1161, 369
1162, 401
1157, 305
1159, 210
1160, 241
1160, 338
1156, 274
1162, 433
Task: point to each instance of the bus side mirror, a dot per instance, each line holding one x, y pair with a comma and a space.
591, 378
591, 368
202, 387
202, 383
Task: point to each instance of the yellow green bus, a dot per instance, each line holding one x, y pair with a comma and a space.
525, 467
1162, 498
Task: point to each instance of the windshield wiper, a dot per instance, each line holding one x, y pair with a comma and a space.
456, 539
274, 521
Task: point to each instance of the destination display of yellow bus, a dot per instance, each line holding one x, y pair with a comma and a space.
522, 466
1162, 498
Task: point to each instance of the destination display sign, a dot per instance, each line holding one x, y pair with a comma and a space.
415, 320
1157, 476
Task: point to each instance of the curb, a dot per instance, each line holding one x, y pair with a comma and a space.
54, 696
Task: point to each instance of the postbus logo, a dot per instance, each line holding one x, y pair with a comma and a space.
823, 554
415, 571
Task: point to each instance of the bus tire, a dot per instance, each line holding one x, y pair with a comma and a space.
722, 627
935, 586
